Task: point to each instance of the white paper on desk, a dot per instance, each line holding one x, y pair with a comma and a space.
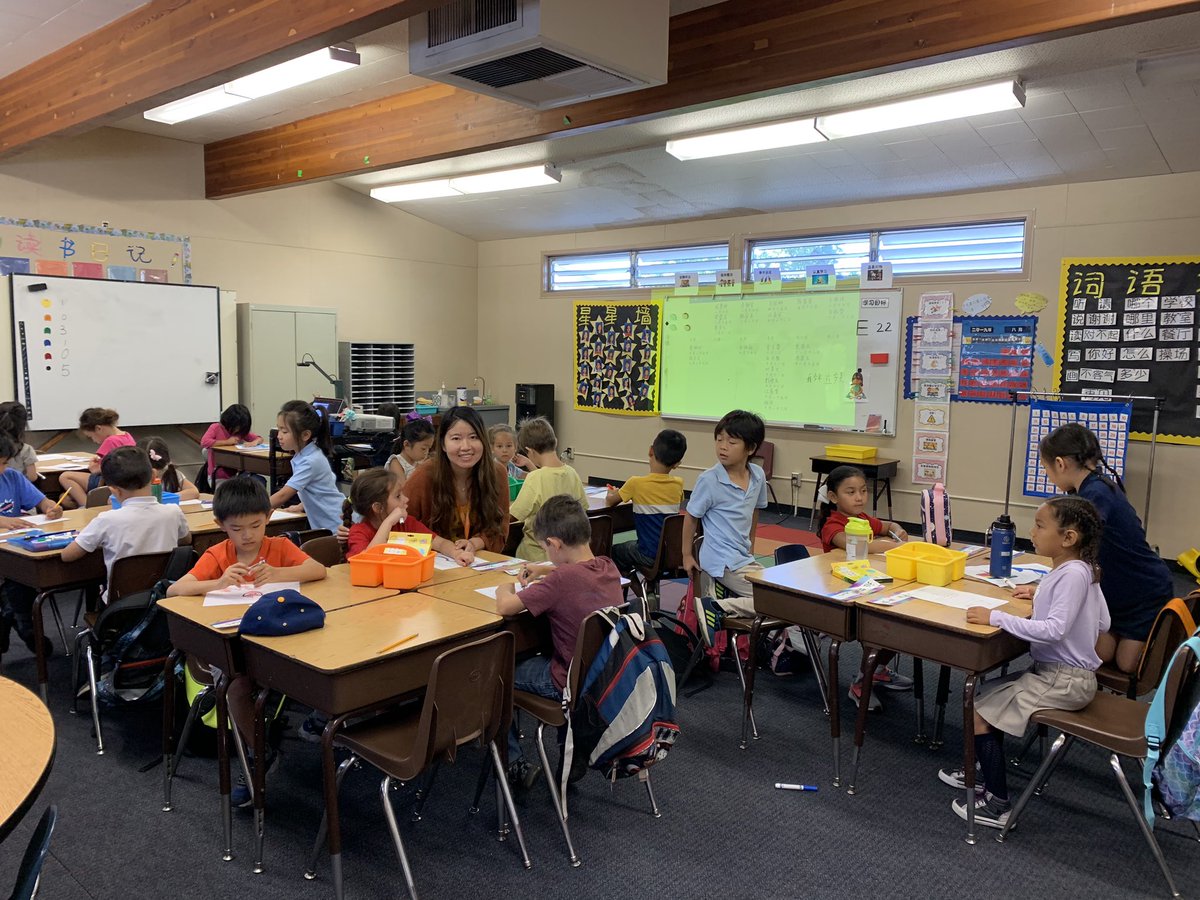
444, 563
282, 515
48, 457
15, 533
491, 591
196, 502
1030, 573
62, 467
254, 446
956, 599
245, 594
40, 519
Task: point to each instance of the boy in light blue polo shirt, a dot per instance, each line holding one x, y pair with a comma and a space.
727, 499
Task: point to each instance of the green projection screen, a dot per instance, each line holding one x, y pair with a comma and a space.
821, 359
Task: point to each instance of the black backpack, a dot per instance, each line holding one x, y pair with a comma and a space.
132, 640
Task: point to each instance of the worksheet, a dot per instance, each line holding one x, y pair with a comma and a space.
245, 594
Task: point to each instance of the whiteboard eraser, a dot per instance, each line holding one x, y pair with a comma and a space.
879, 359
40, 286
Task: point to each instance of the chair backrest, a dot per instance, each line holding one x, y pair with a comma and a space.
98, 496
1177, 683
790, 553
670, 545
1172, 626
131, 574
765, 457
602, 535
300, 538
593, 632
516, 530
35, 856
469, 697
326, 550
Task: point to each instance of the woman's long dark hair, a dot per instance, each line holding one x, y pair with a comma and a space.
1075, 441
832, 481
484, 485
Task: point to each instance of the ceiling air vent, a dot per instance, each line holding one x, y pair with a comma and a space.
543, 53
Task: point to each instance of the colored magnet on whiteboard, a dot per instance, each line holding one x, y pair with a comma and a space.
879, 359
47, 318
1044, 353
46, 343
47, 331
49, 356
1031, 302
46, 304
976, 304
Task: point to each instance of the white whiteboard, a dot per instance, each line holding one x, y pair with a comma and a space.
764, 352
150, 351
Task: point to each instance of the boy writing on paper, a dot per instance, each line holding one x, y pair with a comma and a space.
242, 508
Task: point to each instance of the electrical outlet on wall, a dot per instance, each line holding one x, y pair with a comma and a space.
569, 453
795, 479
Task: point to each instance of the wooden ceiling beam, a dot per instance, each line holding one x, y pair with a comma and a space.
168, 49
721, 52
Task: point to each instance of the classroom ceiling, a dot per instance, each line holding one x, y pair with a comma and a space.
1087, 117
31, 29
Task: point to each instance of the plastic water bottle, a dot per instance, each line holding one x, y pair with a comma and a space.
1004, 536
156, 488
858, 538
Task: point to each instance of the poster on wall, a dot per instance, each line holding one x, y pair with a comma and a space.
996, 357
617, 357
1108, 421
1129, 327
37, 247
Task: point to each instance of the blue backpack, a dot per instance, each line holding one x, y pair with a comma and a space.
1172, 767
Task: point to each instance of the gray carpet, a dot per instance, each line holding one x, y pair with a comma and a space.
724, 831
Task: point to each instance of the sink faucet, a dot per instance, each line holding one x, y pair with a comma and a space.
479, 379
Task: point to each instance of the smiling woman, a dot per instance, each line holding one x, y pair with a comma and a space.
462, 492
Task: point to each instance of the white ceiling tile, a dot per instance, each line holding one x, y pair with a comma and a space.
1099, 97
1113, 117
1011, 133
1181, 155
1183, 128
1043, 104
1135, 138
915, 149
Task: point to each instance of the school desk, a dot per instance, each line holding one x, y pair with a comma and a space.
801, 593
190, 622
531, 633
941, 635
276, 466
50, 468
351, 664
877, 470
25, 753
463, 573
621, 514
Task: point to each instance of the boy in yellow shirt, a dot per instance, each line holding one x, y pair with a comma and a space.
654, 497
549, 478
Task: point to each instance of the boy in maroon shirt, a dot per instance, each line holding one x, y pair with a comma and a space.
573, 586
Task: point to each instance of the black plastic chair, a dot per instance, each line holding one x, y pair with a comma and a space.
35, 856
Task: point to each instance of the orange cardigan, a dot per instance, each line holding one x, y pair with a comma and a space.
419, 490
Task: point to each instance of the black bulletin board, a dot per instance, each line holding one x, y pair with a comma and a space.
1130, 327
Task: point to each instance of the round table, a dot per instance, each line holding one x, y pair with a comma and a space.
26, 752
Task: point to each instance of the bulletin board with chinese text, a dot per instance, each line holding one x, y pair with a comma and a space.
821, 359
36, 247
1129, 328
617, 356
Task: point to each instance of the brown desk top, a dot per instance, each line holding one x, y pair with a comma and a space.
77, 460
857, 463
463, 573
260, 453
333, 593
25, 753
353, 636
72, 518
464, 592
813, 577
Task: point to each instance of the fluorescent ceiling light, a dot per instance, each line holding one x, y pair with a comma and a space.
955, 104
507, 180
196, 105
415, 190
1172, 68
746, 140
303, 69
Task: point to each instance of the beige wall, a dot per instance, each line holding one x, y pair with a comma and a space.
526, 337
392, 276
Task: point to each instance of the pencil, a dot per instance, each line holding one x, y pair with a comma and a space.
403, 640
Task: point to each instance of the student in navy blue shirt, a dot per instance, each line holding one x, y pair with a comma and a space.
17, 495
1135, 580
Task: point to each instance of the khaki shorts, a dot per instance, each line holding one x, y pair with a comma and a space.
739, 599
1014, 699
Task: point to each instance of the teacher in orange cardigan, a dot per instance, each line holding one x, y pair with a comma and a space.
461, 491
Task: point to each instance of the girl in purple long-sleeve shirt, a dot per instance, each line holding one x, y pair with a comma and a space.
1069, 614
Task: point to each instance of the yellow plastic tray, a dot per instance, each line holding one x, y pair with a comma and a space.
850, 451
927, 563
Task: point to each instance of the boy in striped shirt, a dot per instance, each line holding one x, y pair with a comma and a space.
654, 497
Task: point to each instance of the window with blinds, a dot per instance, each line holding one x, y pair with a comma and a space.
628, 269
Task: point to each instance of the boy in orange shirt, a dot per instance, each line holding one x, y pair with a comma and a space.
242, 509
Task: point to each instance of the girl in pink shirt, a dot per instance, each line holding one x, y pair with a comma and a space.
233, 429
98, 425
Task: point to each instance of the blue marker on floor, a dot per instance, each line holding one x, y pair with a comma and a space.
795, 787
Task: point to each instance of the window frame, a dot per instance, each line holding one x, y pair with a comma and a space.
633, 291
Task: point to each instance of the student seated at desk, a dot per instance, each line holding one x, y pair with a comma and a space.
242, 509
377, 495
654, 497
578, 585
304, 433
99, 425
14, 419
231, 430
164, 470
141, 525
503, 440
844, 497
1069, 613
17, 494
411, 447
551, 477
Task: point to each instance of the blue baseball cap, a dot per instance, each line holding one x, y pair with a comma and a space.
282, 612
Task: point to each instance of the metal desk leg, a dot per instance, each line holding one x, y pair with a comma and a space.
334, 835
748, 693
887, 486
259, 772
812, 516
223, 763
873, 659
835, 723
969, 752
39, 640
942, 697
919, 696
168, 733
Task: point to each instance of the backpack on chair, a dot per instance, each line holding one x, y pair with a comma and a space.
935, 516
1171, 772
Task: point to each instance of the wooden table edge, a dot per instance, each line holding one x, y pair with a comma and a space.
22, 809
